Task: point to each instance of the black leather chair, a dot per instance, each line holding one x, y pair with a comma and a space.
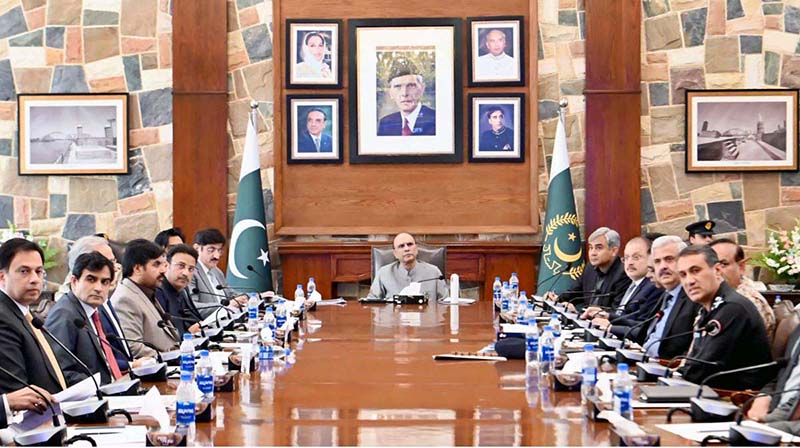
435, 255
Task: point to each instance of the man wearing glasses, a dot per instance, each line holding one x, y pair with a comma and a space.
172, 294
393, 277
208, 286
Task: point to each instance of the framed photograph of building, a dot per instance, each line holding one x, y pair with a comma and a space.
313, 53
405, 91
741, 130
73, 134
497, 51
497, 127
315, 129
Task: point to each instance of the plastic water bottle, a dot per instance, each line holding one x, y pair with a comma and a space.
522, 306
187, 355
623, 389
589, 370
269, 319
311, 286
530, 315
546, 356
205, 375
555, 324
513, 282
497, 292
184, 406
252, 312
280, 313
505, 299
266, 353
299, 298
532, 344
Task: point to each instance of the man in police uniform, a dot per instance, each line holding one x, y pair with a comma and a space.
701, 232
737, 337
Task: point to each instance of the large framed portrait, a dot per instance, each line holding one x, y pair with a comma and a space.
405, 91
497, 51
313, 57
497, 127
73, 134
315, 129
741, 130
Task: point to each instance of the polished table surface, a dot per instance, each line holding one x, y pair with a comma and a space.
364, 375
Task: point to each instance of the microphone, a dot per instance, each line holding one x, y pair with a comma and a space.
113, 337
592, 296
708, 328
39, 325
166, 322
219, 287
780, 362
691, 359
746, 404
81, 324
440, 277
56, 422
658, 315
566, 268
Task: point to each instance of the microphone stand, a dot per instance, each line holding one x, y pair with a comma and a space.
115, 388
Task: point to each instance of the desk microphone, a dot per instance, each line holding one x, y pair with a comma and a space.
711, 326
658, 315
780, 362
81, 324
561, 273
165, 322
440, 277
739, 435
113, 337
219, 287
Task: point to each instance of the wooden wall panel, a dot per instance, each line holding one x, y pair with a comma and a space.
613, 95
388, 198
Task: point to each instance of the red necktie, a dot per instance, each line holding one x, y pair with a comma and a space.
112, 361
406, 129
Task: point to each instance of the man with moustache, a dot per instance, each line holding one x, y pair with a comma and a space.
172, 294
392, 278
143, 268
208, 286
407, 89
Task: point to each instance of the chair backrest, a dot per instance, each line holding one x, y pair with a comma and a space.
435, 255
787, 322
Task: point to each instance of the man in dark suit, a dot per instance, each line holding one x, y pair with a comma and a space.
172, 294
677, 311
406, 89
314, 138
91, 281
24, 351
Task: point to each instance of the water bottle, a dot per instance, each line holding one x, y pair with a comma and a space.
311, 286
205, 375
497, 292
546, 356
522, 306
280, 313
187, 354
532, 344
266, 353
299, 298
269, 319
184, 406
589, 370
555, 324
623, 389
252, 312
513, 282
504, 301
530, 314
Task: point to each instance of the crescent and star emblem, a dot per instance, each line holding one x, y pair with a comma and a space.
567, 258
238, 229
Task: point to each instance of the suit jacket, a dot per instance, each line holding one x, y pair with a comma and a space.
177, 304
109, 328
642, 305
680, 320
614, 286
84, 343
20, 352
392, 124
3, 416
305, 143
207, 295
139, 317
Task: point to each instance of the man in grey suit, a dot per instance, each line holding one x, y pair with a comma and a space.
143, 268
208, 286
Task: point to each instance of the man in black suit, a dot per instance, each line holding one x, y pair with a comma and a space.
172, 294
24, 351
91, 281
406, 89
677, 311
603, 282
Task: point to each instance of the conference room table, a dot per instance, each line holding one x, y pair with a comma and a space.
365, 375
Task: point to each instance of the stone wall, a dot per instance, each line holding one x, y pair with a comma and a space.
89, 46
713, 44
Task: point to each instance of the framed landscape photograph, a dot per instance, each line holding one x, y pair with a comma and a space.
497, 51
73, 134
405, 91
741, 130
313, 53
497, 127
315, 129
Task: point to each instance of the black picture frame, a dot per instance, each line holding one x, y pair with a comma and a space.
507, 101
454, 121
293, 153
291, 51
473, 40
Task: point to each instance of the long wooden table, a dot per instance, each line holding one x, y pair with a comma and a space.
365, 376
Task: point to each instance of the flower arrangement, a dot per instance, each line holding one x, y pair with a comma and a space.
783, 256
13, 232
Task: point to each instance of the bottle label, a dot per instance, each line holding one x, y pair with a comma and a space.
547, 353
252, 313
184, 412
504, 304
532, 343
589, 376
622, 402
187, 362
279, 321
205, 383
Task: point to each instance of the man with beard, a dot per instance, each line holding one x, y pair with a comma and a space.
172, 294
143, 267
393, 277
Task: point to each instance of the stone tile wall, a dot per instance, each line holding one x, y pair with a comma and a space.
89, 46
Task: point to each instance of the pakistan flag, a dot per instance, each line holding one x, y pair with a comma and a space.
562, 249
249, 268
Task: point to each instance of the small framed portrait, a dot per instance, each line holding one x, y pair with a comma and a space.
405, 90
73, 134
741, 130
313, 56
496, 131
497, 51
315, 129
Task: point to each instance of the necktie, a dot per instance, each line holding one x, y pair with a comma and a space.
316, 143
665, 301
627, 296
112, 361
406, 129
48, 351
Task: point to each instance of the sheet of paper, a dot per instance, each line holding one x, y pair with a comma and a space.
153, 405
329, 302
622, 424
79, 391
459, 301
698, 431
124, 436
412, 289
575, 360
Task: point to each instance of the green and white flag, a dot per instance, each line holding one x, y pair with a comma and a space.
249, 267
562, 249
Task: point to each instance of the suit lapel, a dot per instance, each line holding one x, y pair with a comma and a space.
203, 278
676, 310
76, 305
152, 307
12, 306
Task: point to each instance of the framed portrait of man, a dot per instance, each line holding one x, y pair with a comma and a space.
497, 127
315, 129
497, 51
405, 91
313, 54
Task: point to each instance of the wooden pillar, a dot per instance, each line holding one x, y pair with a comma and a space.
613, 95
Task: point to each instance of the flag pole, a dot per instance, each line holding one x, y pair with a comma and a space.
562, 112
253, 109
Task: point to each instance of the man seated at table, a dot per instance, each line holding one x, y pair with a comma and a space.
603, 282
737, 337
172, 294
208, 286
169, 238
392, 278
